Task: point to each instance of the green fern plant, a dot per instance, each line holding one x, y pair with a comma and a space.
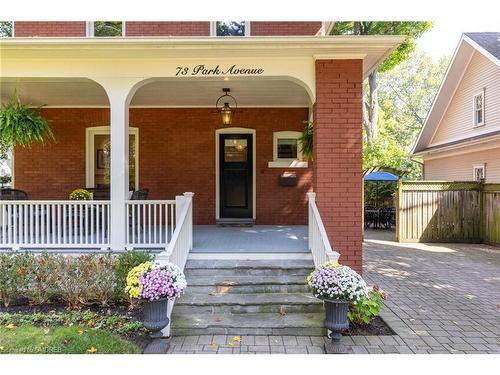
21, 125
306, 140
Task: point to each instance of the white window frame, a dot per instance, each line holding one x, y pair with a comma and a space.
287, 162
90, 134
213, 28
481, 92
90, 30
475, 168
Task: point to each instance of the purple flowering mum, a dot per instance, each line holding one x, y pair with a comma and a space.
156, 284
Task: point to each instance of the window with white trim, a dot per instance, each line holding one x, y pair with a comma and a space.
478, 107
230, 28
106, 28
479, 172
6, 29
287, 150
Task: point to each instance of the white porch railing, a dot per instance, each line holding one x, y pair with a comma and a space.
54, 224
181, 242
150, 223
319, 245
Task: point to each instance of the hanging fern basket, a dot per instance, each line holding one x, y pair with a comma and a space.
21, 125
306, 141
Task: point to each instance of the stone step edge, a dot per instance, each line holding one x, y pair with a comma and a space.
267, 320
246, 299
245, 281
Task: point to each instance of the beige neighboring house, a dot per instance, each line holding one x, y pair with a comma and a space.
460, 140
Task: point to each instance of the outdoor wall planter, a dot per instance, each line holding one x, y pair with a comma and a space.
288, 179
336, 321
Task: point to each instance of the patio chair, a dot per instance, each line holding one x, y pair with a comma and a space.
9, 194
137, 195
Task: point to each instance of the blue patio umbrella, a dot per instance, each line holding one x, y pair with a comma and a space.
380, 176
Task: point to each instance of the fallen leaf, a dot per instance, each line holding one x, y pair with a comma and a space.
46, 331
230, 344
92, 350
81, 331
222, 289
282, 311
213, 293
237, 338
214, 344
10, 326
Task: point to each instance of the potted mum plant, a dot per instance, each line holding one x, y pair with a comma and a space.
338, 286
154, 286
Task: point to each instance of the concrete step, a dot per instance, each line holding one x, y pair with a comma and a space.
268, 267
243, 303
248, 324
220, 284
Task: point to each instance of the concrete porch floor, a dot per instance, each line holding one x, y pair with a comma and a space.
250, 239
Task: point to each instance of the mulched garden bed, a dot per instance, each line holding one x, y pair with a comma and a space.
139, 338
377, 328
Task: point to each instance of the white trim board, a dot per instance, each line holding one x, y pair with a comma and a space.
217, 166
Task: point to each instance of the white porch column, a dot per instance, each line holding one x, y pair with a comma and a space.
120, 91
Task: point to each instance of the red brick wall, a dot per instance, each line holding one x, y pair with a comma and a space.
49, 29
167, 28
171, 28
284, 28
176, 154
338, 155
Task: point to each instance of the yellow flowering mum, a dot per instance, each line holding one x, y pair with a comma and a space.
133, 289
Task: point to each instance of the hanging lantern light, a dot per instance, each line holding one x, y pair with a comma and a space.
226, 111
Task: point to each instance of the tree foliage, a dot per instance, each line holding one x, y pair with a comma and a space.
412, 30
406, 95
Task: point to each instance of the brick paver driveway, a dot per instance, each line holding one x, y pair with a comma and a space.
443, 298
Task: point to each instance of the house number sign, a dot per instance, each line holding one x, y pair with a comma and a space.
203, 70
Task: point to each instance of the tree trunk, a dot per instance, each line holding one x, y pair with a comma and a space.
370, 109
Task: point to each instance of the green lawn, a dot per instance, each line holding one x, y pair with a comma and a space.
62, 340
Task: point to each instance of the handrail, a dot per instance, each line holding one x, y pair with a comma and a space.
319, 244
181, 242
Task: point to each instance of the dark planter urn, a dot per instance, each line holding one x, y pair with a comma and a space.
155, 316
336, 321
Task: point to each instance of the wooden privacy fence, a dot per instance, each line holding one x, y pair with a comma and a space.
431, 211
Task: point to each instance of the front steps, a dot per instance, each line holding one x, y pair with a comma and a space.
248, 297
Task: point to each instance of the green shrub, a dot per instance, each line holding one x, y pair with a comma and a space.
125, 262
78, 280
103, 278
13, 268
41, 277
363, 312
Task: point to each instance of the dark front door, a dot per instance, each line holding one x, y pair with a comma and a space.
236, 176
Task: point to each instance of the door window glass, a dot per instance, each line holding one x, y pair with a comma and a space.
235, 150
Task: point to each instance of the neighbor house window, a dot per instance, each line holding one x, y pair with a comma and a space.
478, 103
230, 28
106, 28
287, 150
479, 172
6, 29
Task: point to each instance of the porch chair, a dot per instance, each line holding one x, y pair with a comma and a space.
137, 195
9, 194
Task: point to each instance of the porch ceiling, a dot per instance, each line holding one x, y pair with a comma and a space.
64, 92
249, 92
81, 92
